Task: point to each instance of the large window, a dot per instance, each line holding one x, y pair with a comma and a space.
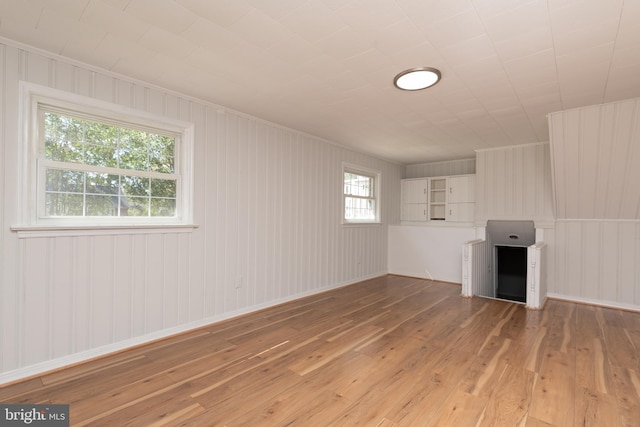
90, 168
91, 165
360, 195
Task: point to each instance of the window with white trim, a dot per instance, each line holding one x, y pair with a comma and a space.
95, 164
361, 202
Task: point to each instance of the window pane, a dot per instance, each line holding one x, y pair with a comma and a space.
59, 180
163, 207
102, 183
69, 139
63, 204
63, 138
356, 208
134, 153
135, 186
161, 156
163, 188
100, 155
138, 206
102, 205
358, 185
63, 150
100, 134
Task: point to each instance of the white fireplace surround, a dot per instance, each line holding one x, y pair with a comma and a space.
478, 262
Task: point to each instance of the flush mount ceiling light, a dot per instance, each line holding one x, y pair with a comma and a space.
417, 78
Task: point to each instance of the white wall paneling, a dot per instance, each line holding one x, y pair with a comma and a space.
600, 262
267, 203
596, 158
596, 171
514, 183
452, 167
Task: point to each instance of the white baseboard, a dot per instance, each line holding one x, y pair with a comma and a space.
599, 303
84, 356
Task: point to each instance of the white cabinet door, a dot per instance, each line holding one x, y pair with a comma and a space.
414, 199
460, 212
414, 212
414, 191
461, 189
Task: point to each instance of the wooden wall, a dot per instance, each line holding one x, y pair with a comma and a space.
268, 206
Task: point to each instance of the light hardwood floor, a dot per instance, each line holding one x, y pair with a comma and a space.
392, 351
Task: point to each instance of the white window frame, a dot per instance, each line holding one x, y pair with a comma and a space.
377, 185
31, 189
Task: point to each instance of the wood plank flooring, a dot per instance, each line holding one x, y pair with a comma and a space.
392, 351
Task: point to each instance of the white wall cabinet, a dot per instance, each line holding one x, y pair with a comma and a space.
461, 189
414, 199
460, 198
442, 198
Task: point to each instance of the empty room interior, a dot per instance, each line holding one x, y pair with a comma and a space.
320, 212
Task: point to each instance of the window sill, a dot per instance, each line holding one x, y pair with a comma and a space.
35, 231
361, 224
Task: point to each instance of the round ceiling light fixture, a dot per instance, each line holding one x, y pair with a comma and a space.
417, 78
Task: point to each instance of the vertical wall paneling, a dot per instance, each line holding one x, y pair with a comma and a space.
36, 294
61, 287
627, 265
5, 294
171, 293
609, 278
243, 199
122, 287
573, 257
185, 277
229, 248
596, 170
596, 155
267, 202
630, 189
448, 168
598, 261
253, 198
81, 297
10, 250
589, 263
219, 191
512, 183
100, 285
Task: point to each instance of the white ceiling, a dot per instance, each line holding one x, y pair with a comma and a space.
326, 67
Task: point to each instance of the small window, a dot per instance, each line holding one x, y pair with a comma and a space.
360, 196
93, 166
